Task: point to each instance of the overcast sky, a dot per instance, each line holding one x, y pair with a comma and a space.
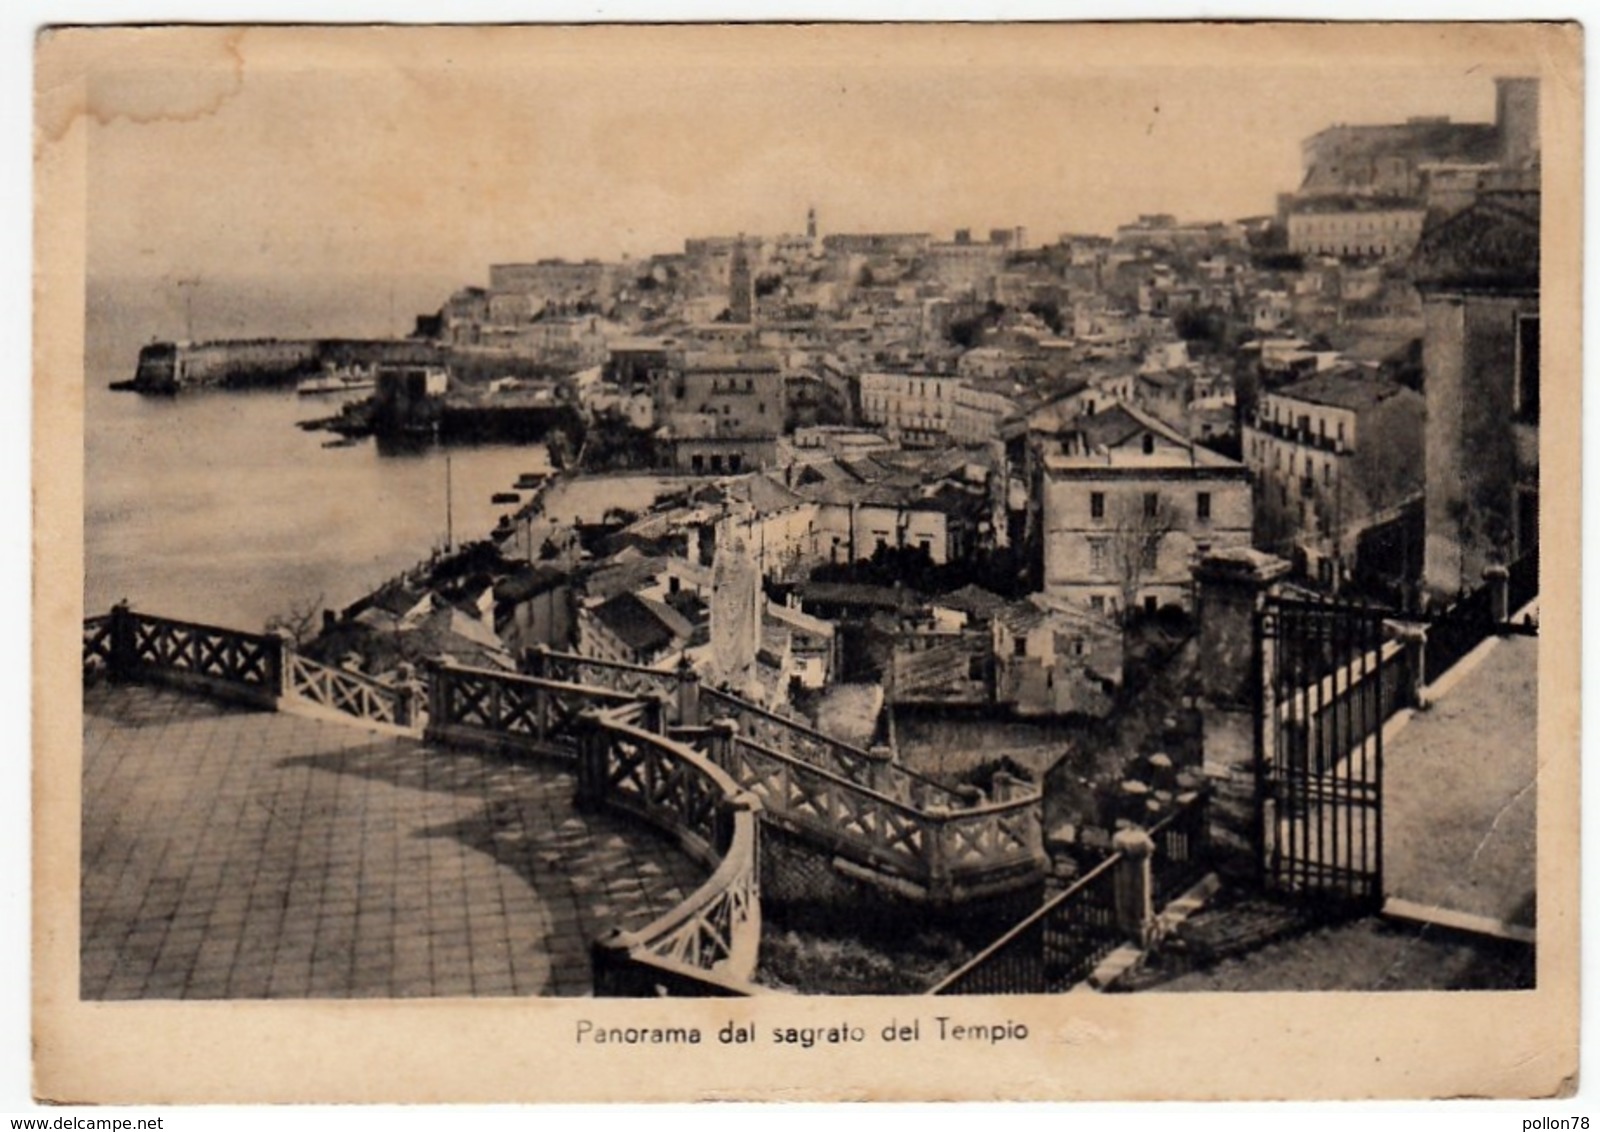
417, 153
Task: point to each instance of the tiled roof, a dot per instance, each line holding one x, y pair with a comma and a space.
1342, 389
1491, 245
972, 599
643, 625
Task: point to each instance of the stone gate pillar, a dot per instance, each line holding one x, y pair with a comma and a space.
1232, 587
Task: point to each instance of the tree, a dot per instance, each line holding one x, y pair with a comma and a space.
1139, 524
300, 622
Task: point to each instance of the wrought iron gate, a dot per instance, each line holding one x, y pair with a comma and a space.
1328, 681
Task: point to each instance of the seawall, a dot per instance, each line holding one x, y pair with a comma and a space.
168, 367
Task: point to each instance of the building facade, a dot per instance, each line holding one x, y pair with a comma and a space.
1332, 455
1478, 273
1128, 505
913, 408
1355, 232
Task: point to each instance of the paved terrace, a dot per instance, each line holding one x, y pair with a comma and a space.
1459, 821
244, 854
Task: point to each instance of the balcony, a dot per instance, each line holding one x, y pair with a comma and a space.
1301, 436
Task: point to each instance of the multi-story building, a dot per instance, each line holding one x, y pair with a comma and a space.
1355, 227
1128, 505
964, 264
982, 406
912, 407
1332, 455
1051, 658
1478, 273
519, 290
724, 412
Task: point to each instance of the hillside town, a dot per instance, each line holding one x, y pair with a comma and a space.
973, 471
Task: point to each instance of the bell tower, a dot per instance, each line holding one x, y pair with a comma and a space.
741, 285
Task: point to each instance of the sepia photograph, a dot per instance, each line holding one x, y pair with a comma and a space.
881, 526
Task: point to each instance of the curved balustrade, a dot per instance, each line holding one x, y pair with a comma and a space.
949, 853
778, 733
709, 943
347, 693
633, 679
480, 707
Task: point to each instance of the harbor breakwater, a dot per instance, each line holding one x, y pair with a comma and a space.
168, 367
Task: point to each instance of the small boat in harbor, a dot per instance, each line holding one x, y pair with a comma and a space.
505, 497
531, 479
338, 380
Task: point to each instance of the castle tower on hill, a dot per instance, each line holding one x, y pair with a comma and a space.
811, 224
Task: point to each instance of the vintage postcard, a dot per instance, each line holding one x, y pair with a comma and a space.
834, 562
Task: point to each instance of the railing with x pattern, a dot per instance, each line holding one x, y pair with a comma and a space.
478, 707
347, 693
708, 944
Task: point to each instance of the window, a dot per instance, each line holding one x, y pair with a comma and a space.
1527, 388
1097, 505
1202, 506
1149, 444
735, 462
1150, 606
1147, 553
698, 463
1097, 603
716, 463
1019, 646
1341, 434
1152, 503
1097, 555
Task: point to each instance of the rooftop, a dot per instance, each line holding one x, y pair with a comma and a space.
643, 625
1491, 245
1343, 389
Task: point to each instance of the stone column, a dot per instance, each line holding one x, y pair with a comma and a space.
1232, 587
881, 776
404, 695
1135, 914
941, 886
124, 648
724, 734
688, 694
1498, 579
1413, 636
592, 750
438, 696
658, 713
280, 645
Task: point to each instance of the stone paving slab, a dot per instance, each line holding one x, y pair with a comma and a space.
238, 854
1460, 827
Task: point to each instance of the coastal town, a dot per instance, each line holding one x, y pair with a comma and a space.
1134, 542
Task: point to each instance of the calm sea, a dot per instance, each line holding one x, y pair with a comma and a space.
215, 507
